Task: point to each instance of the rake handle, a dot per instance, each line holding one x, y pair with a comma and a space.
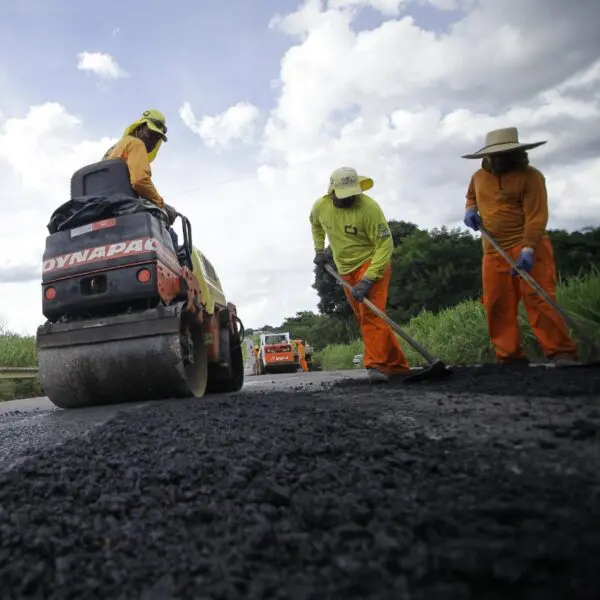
422, 351
536, 286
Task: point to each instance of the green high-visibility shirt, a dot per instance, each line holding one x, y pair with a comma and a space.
355, 234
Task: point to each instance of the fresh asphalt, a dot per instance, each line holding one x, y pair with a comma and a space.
34, 424
315, 486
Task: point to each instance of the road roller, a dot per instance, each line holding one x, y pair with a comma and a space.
131, 315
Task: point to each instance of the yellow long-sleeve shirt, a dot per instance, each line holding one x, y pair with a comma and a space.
133, 151
356, 234
513, 206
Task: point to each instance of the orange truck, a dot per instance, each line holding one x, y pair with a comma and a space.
276, 354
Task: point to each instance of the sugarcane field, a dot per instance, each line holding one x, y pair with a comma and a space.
300, 301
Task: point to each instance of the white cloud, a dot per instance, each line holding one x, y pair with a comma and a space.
237, 123
415, 113
449, 4
397, 102
389, 8
44, 148
101, 63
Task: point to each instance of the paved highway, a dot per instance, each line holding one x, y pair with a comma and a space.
34, 424
310, 486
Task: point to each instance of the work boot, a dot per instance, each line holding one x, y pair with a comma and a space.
399, 374
513, 360
376, 376
565, 360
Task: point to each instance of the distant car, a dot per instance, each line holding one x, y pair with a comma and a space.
357, 360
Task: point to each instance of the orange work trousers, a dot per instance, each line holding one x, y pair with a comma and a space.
502, 292
382, 350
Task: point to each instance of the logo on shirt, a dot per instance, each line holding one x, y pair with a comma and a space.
384, 230
351, 229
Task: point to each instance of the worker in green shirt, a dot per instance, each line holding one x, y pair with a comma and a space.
361, 244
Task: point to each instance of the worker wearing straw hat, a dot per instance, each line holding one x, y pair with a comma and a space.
509, 198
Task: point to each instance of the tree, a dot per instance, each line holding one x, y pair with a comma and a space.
401, 230
434, 270
576, 253
332, 299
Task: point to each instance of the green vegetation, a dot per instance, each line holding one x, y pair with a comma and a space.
17, 351
12, 389
339, 356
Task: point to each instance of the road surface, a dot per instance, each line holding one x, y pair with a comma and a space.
310, 486
34, 424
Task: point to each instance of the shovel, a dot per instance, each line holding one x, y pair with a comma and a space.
536, 286
436, 369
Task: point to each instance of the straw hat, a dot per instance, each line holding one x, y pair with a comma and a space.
502, 140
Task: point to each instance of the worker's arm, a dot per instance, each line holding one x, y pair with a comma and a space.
378, 231
139, 171
472, 219
471, 197
318, 233
535, 208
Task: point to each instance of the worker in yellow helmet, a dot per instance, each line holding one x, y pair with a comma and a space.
138, 148
361, 243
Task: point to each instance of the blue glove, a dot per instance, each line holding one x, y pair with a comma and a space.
525, 260
361, 289
472, 219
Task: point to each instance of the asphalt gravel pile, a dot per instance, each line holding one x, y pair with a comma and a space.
339, 492
504, 380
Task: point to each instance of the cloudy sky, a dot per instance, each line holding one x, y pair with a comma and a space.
264, 98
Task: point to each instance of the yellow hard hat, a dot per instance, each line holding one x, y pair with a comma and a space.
155, 121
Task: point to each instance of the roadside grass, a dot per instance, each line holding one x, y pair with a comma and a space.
458, 335
17, 351
339, 356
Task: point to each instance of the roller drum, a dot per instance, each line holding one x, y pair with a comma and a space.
130, 358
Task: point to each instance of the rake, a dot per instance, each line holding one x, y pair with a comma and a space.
436, 369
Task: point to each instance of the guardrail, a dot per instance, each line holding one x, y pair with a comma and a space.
18, 372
